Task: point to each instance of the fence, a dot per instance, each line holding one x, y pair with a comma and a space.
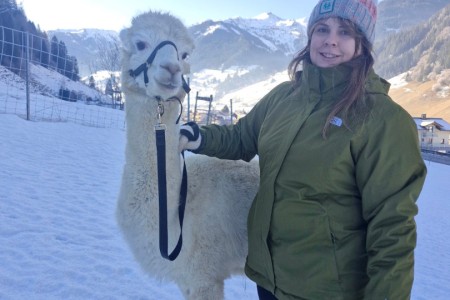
35, 84
39, 81
436, 156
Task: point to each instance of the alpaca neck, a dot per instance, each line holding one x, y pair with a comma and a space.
142, 116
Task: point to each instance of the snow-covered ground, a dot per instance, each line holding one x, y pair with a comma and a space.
45, 104
58, 235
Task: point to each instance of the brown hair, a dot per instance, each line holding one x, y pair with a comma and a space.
348, 106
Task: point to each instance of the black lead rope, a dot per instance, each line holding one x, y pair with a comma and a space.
162, 186
160, 133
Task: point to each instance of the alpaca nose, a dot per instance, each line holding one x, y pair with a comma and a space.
172, 68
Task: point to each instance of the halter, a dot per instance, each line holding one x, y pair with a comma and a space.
144, 67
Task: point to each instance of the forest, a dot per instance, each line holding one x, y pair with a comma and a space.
20, 38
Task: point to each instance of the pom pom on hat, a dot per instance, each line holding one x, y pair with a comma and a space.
361, 12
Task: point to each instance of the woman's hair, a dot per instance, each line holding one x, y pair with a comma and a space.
348, 105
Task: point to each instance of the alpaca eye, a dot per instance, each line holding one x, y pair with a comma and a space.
141, 45
185, 56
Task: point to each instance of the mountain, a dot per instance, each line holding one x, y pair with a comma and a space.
397, 15
424, 48
266, 40
420, 54
86, 45
431, 97
247, 50
237, 56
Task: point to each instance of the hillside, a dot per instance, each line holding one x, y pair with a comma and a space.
421, 55
430, 97
87, 45
241, 59
424, 47
397, 15
266, 40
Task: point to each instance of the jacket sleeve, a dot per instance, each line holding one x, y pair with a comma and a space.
390, 174
239, 141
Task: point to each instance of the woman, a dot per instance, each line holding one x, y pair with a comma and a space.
340, 170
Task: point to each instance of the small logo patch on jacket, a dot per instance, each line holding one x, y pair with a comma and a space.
336, 121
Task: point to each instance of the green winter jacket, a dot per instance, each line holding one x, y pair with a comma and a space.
333, 218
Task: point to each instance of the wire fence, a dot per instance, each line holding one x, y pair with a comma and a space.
36, 82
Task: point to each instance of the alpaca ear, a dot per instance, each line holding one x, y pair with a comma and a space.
186, 67
124, 38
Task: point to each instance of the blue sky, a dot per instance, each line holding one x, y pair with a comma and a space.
117, 14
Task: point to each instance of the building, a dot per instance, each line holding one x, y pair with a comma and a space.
434, 133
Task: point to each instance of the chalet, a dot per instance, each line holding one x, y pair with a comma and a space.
434, 133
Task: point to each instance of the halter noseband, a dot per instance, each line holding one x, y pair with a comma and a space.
144, 67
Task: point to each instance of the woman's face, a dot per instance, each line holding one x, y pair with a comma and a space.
332, 43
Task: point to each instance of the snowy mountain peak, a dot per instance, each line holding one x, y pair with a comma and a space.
275, 33
265, 20
85, 33
267, 16
303, 21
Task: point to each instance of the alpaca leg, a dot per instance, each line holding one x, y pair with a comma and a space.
209, 290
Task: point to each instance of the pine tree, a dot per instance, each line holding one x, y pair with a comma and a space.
91, 82
13, 37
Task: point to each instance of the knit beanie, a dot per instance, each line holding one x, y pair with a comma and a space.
361, 12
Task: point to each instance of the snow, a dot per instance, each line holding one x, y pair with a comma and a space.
207, 80
244, 99
212, 29
59, 238
274, 32
46, 105
264, 16
398, 81
58, 234
303, 21
439, 122
58, 188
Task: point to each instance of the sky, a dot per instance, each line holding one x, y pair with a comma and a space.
117, 14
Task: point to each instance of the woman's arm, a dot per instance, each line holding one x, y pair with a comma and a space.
240, 141
390, 174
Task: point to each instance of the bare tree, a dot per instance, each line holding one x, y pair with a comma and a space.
108, 55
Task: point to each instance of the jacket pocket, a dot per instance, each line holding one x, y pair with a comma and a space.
303, 249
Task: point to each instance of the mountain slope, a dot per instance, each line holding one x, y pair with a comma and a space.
424, 47
431, 97
85, 44
266, 41
398, 15
233, 55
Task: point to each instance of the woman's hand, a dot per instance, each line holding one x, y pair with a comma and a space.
190, 137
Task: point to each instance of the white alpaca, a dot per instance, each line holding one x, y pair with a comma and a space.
219, 192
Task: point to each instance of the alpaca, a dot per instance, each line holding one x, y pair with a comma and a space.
220, 192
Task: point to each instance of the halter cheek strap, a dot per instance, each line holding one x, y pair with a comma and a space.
144, 67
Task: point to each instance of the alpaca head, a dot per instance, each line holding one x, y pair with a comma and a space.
155, 50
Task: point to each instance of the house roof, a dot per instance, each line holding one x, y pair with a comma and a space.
439, 123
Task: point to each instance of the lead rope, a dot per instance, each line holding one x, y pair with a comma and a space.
160, 133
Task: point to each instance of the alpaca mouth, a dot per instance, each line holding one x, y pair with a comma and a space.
170, 86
